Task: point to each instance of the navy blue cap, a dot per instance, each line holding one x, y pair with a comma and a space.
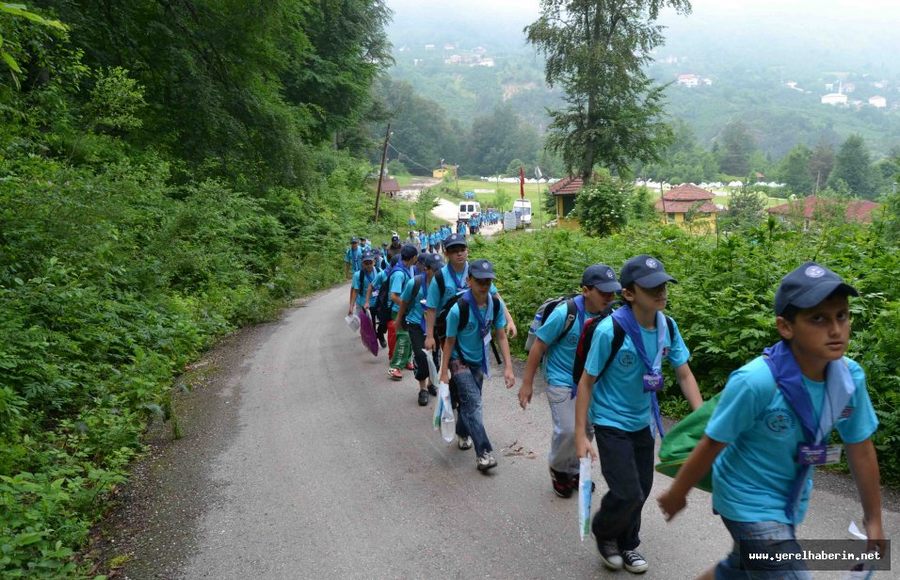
807, 286
408, 252
481, 270
601, 277
645, 271
354, 241
455, 240
368, 257
432, 261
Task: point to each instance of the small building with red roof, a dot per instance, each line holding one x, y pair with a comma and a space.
679, 202
564, 192
857, 210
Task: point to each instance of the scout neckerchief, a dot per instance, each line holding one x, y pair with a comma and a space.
839, 387
653, 380
460, 281
484, 327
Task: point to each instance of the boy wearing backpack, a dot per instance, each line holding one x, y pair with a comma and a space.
623, 405
775, 416
400, 348
452, 279
359, 286
555, 343
474, 320
411, 313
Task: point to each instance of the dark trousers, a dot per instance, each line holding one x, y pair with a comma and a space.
417, 336
626, 460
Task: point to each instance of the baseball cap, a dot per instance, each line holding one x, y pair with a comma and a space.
645, 271
368, 257
481, 270
455, 240
395, 238
408, 251
601, 277
354, 241
807, 286
432, 261
383, 244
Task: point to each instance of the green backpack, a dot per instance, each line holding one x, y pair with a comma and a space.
678, 443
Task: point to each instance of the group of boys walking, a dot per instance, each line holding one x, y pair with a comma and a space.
774, 415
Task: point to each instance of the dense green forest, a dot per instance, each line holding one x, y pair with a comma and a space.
169, 171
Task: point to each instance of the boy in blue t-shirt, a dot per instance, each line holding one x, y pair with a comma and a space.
623, 405
353, 258
775, 418
360, 291
598, 290
466, 358
399, 346
413, 317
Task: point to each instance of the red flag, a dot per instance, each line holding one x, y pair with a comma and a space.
521, 182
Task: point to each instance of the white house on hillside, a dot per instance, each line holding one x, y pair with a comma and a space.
878, 102
834, 99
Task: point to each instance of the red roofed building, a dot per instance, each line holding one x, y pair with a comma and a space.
565, 191
856, 211
679, 201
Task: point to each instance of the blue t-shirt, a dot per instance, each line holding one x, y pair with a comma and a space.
437, 300
469, 338
414, 310
398, 281
752, 476
368, 279
354, 258
560, 356
619, 399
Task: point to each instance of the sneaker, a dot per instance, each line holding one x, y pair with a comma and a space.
423, 398
485, 461
464, 442
562, 483
410, 367
395, 374
382, 342
609, 553
432, 390
634, 562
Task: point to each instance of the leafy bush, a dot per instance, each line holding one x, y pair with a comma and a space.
724, 296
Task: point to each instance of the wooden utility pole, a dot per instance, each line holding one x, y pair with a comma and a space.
387, 136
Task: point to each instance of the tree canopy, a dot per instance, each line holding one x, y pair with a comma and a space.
596, 51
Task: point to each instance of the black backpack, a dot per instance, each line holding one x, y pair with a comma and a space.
384, 303
440, 322
587, 335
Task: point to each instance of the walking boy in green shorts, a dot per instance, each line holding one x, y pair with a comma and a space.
772, 426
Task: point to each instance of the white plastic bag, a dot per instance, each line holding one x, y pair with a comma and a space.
432, 369
448, 419
585, 486
352, 321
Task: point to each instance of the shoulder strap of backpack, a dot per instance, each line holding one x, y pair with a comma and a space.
617, 342
671, 325
571, 317
441, 284
419, 282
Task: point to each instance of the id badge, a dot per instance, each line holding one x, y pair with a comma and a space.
812, 454
653, 383
486, 339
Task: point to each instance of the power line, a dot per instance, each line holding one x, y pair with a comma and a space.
413, 161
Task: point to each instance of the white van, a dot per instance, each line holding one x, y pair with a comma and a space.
523, 208
467, 209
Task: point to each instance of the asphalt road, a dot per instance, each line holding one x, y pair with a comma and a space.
301, 459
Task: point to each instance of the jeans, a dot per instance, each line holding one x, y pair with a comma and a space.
626, 460
762, 537
417, 337
466, 381
562, 456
